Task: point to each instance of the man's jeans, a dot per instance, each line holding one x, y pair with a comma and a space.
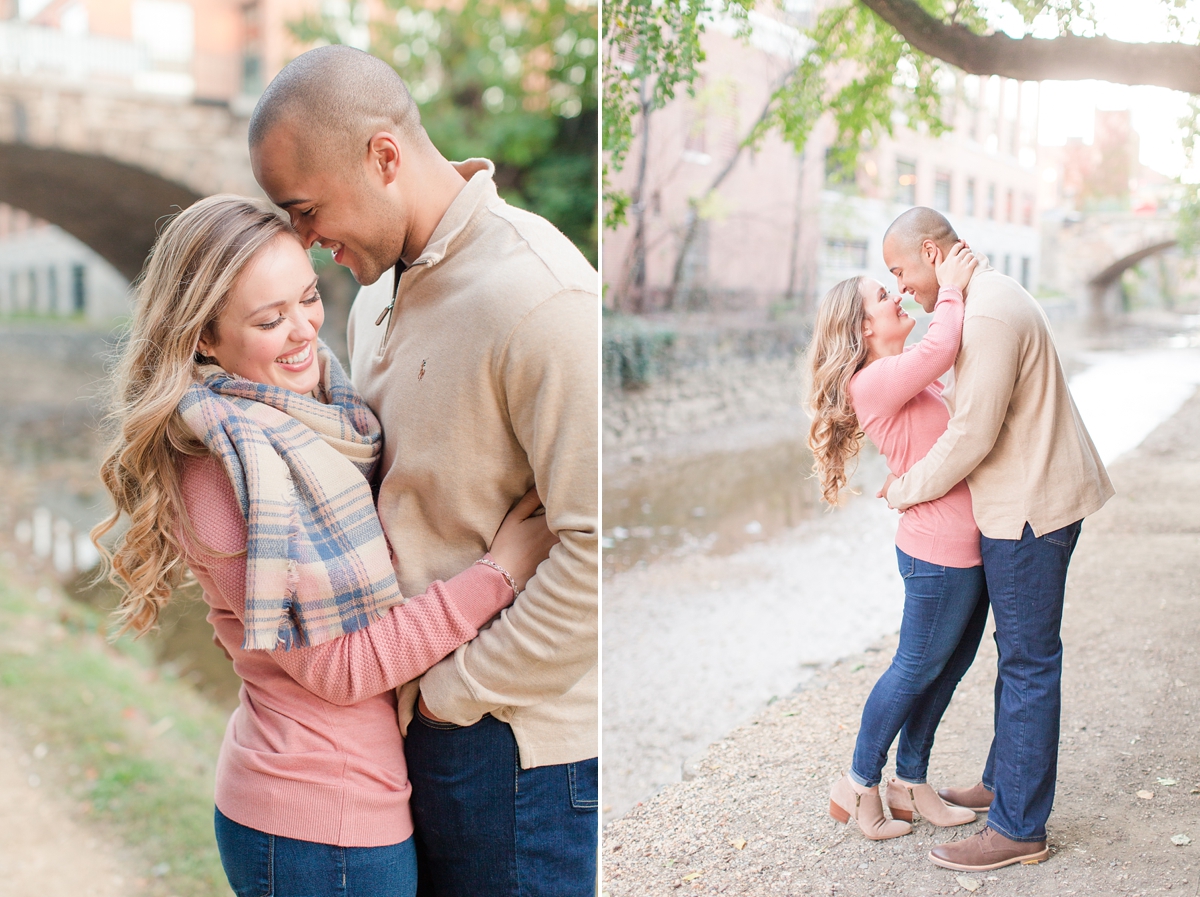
1026, 579
487, 828
945, 610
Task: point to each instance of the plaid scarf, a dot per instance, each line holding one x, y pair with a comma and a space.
317, 563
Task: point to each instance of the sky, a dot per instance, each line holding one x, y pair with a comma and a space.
1067, 108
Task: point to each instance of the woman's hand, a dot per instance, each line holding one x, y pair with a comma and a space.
523, 540
955, 269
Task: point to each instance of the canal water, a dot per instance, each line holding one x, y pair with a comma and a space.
725, 583
50, 493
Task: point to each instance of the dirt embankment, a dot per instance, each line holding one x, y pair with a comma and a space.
754, 819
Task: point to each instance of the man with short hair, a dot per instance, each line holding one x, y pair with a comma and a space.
1016, 437
482, 367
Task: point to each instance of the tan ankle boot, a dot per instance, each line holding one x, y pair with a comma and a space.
849, 800
904, 799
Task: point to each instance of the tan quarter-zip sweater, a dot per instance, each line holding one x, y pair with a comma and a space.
1014, 431
484, 376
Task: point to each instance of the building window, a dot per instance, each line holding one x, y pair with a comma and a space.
1026, 270
52, 289
970, 204
1027, 209
846, 253
837, 175
1008, 265
252, 73
991, 201
78, 288
906, 182
941, 191
1010, 207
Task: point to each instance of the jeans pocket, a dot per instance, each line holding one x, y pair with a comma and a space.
248, 857
428, 723
583, 779
1063, 538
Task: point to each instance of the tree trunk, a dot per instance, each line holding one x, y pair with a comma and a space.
693, 217
797, 232
1065, 58
637, 270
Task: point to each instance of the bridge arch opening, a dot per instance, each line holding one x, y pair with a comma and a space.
1100, 286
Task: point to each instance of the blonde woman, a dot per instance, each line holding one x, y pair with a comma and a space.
864, 381
242, 452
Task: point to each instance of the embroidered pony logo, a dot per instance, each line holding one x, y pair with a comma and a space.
421, 373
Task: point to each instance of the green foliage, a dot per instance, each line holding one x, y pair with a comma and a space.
652, 49
136, 750
1189, 207
863, 72
634, 351
512, 81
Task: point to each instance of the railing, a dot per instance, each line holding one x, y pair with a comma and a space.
34, 50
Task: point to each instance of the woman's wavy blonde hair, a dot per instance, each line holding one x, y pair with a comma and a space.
183, 289
836, 353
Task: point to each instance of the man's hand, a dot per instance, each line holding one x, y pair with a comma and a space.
423, 709
887, 484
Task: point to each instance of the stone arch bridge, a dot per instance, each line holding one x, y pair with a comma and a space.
1085, 256
106, 163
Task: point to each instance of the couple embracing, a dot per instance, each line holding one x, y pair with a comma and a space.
993, 477
402, 566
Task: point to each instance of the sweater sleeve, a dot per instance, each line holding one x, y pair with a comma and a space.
886, 385
546, 642
394, 649
984, 381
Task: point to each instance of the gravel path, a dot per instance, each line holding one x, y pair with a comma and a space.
754, 821
43, 850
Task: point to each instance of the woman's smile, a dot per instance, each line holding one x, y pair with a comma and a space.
297, 360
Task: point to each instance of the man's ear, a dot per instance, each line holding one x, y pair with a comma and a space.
384, 156
930, 250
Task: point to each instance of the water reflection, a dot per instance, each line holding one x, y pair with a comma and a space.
716, 503
51, 494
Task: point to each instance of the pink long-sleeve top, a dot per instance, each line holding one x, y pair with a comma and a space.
898, 401
313, 750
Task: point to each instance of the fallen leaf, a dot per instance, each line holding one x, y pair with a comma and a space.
969, 884
1167, 782
692, 876
1196, 790
1179, 683
738, 844
1180, 840
1146, 795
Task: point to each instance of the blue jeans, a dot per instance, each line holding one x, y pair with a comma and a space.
1026, 580
262, 865
945, 610
485, 827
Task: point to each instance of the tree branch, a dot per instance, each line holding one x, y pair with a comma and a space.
1065, 58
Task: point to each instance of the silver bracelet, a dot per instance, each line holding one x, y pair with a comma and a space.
512, 583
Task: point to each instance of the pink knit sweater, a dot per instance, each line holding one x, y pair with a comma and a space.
899, 404
313, 750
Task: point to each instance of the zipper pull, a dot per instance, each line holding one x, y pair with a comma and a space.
383, 314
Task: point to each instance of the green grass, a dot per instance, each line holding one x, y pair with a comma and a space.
134, 748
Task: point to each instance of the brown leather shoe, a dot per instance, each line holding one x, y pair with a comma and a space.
975, 798
987, 850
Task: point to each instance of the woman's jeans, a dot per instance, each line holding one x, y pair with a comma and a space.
262, 865
945, 610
